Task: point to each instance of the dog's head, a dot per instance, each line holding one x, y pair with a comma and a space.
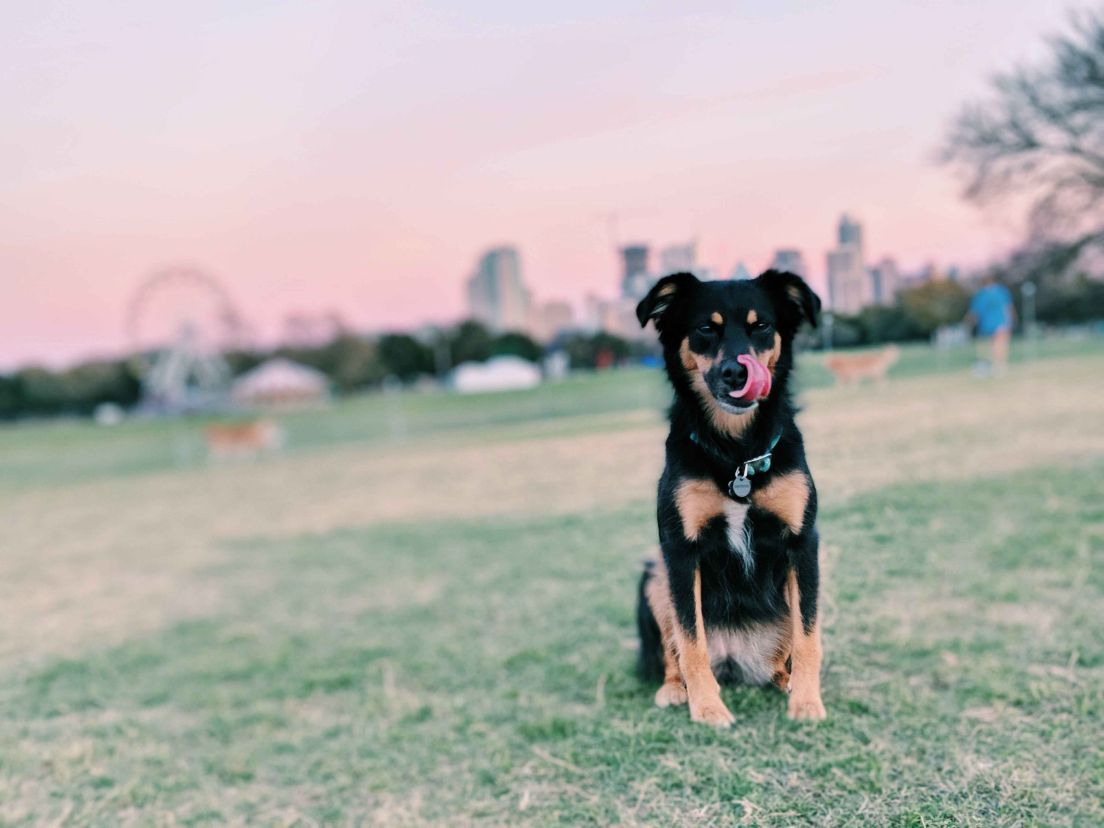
728, 345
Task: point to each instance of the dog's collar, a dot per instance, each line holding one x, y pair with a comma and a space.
739, 487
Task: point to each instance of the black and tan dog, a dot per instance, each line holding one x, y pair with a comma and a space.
734, 594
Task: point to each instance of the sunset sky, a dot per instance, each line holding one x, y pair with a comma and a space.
358, 157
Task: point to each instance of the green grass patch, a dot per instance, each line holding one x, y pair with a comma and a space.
422, 613
454, 672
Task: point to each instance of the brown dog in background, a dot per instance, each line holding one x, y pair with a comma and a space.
244, 439
851, 369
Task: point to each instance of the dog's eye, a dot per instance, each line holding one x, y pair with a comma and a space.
706, 330
760, 326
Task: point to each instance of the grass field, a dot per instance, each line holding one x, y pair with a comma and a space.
422, 612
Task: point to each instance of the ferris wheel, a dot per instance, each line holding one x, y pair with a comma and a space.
179, 322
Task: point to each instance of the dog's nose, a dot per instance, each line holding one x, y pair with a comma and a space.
734, 374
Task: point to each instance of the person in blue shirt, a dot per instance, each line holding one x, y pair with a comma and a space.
992, 314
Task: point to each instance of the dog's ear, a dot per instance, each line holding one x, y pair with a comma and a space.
792, 297
663, 295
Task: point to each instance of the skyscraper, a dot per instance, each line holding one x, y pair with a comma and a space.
849, 284
740, 272
635, 279
789, 260
550, 319
848, 281
678, 258
885, 281
496, 294
850, 231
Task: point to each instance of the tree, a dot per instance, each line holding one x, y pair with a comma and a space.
404, 356
1040, 137
240, 361
11, 398
352, 362
890, 323
1079, 300
599, 350
41, 391
91, 383
469, 341
933, 304
516, 344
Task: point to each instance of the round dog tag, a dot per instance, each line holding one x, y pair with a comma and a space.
739, 487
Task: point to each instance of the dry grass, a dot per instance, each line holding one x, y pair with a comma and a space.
104, 559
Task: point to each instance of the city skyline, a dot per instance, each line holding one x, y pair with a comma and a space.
355, 159
499, 298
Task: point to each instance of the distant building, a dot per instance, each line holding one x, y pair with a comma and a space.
636, 281
591, 319
496, 293
679, 258
789, 260
550, 319
740, 272
850, 231
848, 282
619, 319
885, 281
705, 273
850, 287
614, 316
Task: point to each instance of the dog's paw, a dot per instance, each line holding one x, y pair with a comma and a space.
781, 680
806, 709
671, 694
712, 712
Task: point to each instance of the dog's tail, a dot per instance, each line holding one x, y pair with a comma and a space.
651, 642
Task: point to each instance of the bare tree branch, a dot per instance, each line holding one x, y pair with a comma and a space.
1040, 137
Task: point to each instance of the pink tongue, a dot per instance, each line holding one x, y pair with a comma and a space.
758, 383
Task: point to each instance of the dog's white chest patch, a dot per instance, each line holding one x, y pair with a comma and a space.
752, 649
739, 538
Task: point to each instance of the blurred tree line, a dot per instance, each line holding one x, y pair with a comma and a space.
357, 363
36, 391
917, 313
353, 363
921, 310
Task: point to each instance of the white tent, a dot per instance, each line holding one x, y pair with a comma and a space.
278, 381
504, 373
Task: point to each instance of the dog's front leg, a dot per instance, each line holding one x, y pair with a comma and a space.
690, 641
802, 585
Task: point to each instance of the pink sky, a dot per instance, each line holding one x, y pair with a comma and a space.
336, 156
